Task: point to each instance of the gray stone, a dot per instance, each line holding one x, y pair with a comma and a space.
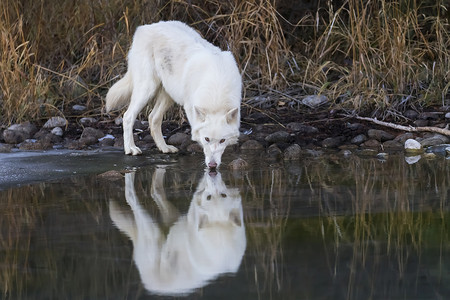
333, 142
371, 143
55, 122
57, 131
429, 115
194, 148
421, 123
178, 139
77, 107
411, 114
18, 133
90, 136
292, 152
278, 137
413, 146
298, 127
5, 148
88, 121
359, 139
380, 135
393, 145
314, 101
447, 115
251, 145
401, 138
435, 140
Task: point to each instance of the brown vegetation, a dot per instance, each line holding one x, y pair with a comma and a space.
377, 58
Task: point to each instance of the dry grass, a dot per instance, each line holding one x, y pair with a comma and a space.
373, 57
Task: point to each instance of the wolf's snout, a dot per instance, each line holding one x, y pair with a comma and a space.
212, 165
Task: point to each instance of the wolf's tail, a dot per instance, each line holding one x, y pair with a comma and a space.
119, 94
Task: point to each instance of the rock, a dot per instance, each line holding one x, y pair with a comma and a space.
393, 146
57, 131
88, 121
77, 107
447, 115
194, 148
55, 122
447, 151
138, 125
32, 144
273, 152
18, 133
90, 136
359, 139
118, 121
300, 128
413, 146
109, 142
421, 123
278, 137
178, 139
251, 145
333, 142
429, 115
380, 135
292, 152
401, 138
434, 140
314, 101
5, 148
238, 164
438, 149
371, 143
411, 114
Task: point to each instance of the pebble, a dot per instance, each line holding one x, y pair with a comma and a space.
55, 122
278, 137
178, 139
57, 131
333, 142
78, 107
292, 152
314, 101
88, 121
273, 152
359, 139
380, 135
300, 128
434, 140
413, 146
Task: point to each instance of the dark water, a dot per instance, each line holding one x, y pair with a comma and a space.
320, 228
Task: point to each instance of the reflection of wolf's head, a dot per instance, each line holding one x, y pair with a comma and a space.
215, 205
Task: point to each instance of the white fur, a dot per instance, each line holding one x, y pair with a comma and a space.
170, 62
206, 242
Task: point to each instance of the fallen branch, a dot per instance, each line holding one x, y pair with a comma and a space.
443, 131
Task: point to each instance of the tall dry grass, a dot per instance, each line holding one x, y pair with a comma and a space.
376, 57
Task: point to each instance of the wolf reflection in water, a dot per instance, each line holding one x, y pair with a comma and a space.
206, 242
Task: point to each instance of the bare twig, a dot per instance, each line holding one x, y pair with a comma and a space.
443, 131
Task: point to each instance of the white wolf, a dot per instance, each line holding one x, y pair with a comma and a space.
170, 62
208, 241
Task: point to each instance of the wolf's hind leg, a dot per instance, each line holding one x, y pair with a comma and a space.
162, 103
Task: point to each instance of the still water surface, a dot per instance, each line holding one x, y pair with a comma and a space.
320, 228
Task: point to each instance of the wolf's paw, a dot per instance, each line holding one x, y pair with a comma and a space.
168, 149
133, 151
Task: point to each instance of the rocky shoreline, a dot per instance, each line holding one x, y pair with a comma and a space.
282, 134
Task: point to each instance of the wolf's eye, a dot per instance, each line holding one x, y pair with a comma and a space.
207, 139
223, 195
222, 141
208, 197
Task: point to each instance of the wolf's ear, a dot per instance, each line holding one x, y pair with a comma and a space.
232, 115
200, 113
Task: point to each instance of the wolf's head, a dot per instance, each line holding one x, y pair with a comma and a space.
215, 131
